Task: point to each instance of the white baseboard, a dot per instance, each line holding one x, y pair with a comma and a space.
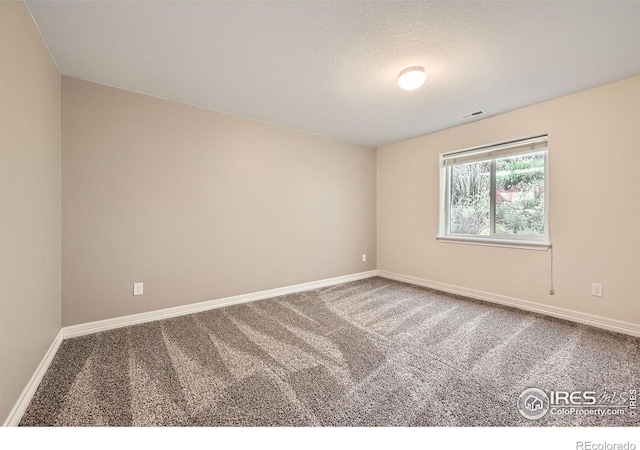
102, 325
618, 326
27, 394
118, 322
554, 311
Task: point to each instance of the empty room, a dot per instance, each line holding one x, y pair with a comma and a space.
330, 214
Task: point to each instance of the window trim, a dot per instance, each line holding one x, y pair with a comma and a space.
542, 242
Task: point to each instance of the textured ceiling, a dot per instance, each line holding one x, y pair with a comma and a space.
330, 67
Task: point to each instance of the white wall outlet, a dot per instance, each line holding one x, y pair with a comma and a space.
596, 289
138, 288
364, 257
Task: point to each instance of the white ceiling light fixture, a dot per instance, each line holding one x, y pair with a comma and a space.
412, 78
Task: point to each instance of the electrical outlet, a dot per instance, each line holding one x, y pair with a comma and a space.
596, 289
364, 257
138, 288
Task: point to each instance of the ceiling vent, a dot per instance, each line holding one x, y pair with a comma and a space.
473, 115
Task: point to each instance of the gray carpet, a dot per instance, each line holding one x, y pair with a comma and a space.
373, 352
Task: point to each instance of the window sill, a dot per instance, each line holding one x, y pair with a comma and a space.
489, 242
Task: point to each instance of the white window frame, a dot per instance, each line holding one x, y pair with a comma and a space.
491, 152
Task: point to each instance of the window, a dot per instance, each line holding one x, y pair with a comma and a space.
496, 194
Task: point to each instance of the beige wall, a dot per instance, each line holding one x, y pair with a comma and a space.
594, 168
200, 205
30, 306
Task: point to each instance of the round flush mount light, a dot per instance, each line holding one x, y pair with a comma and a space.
412, 78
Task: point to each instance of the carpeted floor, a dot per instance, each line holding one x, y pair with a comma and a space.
373, 352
